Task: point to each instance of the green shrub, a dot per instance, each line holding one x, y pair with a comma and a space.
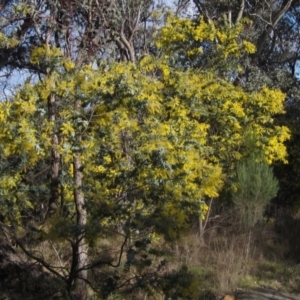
256, 187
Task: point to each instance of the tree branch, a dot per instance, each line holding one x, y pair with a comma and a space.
262, 40
126, 42
241, 11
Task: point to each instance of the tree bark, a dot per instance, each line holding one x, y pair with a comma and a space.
55, 156
55, 161
81, 248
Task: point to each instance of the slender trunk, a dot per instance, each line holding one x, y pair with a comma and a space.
80, 284
81, 248
203, 223
55, 161
55, 156
201, 231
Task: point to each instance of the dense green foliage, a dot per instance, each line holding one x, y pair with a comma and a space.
256, 187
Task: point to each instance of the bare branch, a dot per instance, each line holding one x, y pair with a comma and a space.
135, 25
241, 11
202, 9
58, 257
126, 42
276, 18
41, 261
269, 28
98, 263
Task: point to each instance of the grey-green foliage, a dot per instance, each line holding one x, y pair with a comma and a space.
256, 187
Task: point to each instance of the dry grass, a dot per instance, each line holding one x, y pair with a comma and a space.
221, 263
225, 259
228, 258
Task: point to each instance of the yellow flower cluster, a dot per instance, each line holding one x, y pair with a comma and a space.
7, 42
151, 136
191, 34
42, 53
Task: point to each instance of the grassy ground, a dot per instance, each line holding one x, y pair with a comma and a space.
229, 258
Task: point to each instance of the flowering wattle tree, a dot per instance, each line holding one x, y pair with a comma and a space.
129, 148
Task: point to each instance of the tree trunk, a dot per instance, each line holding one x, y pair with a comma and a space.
80, 284
55, 161
81, 248
55, 156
